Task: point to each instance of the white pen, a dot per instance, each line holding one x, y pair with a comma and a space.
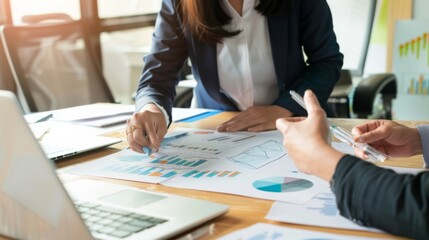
345, 136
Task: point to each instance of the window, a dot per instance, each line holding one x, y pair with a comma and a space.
21, 8
115, 8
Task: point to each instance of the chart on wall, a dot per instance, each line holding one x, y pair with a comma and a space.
411, 67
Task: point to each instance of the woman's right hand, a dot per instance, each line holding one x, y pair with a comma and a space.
146, 128
390, 138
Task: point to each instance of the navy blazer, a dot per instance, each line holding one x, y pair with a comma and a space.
308, 27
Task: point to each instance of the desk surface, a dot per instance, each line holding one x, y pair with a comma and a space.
244, 211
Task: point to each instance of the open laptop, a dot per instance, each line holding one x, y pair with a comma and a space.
35, 205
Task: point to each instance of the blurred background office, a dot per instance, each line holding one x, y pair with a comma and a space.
118, 34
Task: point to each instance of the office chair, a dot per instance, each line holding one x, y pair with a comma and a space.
364, 96
368, 90
339, 100
6, 77
54, 66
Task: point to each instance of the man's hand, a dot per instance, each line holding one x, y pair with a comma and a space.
306, 140
388, 137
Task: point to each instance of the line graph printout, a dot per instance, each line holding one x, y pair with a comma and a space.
260, 155
319, 211
209, 142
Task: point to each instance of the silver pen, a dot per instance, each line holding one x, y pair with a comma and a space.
343, 135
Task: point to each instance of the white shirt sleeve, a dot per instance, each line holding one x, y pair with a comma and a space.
166, 117
424, 135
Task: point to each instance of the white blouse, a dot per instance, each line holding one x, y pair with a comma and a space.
245, 62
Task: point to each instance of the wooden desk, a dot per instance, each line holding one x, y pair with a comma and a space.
244, 211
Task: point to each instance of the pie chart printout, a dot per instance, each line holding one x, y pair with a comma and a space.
282, 184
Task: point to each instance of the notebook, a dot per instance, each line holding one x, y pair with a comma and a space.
96, 115
35, 205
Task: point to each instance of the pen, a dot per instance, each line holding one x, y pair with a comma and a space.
167, 138
345, 136
45, 118
173, 136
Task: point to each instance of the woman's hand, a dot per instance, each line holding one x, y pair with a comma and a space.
388, 137
255, 119
146, 129
306, 140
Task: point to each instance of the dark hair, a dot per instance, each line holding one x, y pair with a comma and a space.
206, 19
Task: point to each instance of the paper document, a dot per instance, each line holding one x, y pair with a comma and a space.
96, 115
264, 231
319, 211
242, 163
93, 111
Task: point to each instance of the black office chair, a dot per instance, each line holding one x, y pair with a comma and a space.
54, 66
368, 91
364, 97
339, 100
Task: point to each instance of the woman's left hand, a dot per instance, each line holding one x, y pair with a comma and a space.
255, 119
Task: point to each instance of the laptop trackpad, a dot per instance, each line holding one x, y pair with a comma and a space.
131, 199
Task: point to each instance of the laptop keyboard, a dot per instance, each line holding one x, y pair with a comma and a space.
115, 222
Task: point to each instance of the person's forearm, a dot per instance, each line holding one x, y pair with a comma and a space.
380, 198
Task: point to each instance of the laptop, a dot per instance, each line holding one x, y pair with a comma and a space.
71, 145
35, 205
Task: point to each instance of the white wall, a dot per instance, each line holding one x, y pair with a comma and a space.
421, 9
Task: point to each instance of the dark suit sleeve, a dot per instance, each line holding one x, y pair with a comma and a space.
324, 61
380, 198
162, 66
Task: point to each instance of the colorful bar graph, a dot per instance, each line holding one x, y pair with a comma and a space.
194, 147
211, 174
178, 161
417, 45
139, 170
418, 87
191, 173
224, 173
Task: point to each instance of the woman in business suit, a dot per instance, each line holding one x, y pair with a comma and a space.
246, 55
366, 194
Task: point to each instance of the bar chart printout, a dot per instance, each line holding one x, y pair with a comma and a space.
265, 231
179, 161
211, 174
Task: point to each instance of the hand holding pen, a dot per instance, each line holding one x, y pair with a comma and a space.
344, 136
146, 129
